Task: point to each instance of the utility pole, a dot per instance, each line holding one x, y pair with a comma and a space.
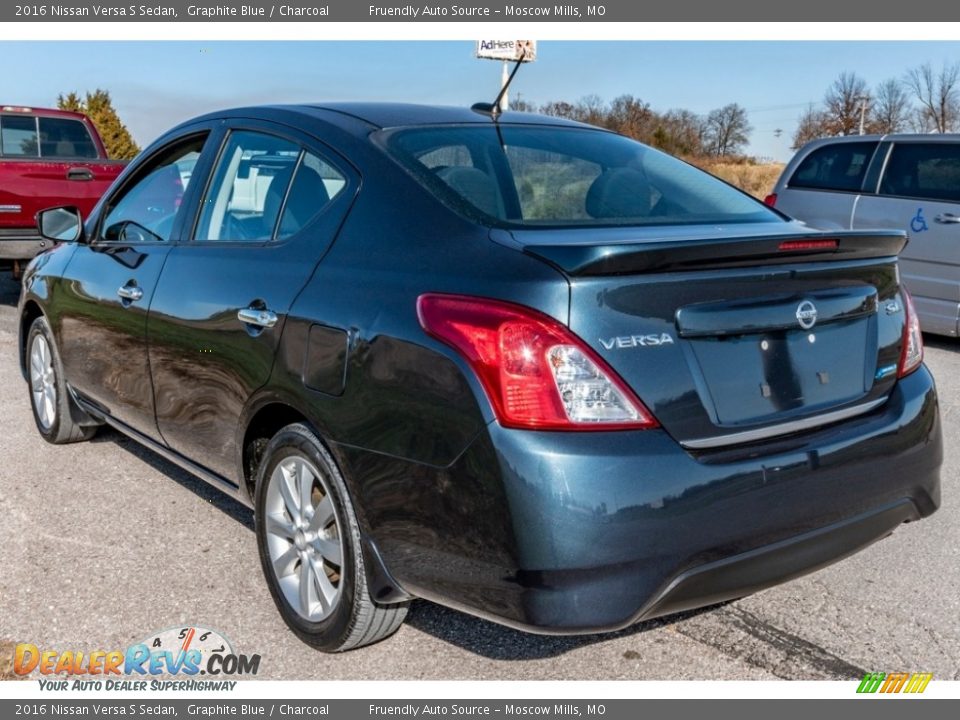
863, 111
504, 79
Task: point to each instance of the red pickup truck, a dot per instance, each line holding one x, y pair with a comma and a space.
47, 158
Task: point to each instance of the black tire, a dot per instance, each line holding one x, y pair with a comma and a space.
353, 619
63, 427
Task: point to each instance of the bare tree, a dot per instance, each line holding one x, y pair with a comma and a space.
938, 94
728, 130
681, 132
631, 116
843, 104
811, 126
891, 109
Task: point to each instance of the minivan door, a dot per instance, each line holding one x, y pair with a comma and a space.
270, 211
919, 192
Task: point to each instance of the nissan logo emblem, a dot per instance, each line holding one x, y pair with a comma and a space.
807, 314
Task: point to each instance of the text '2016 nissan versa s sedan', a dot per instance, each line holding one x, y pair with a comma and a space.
515, 365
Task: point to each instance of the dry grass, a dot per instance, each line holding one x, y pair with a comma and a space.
758, 180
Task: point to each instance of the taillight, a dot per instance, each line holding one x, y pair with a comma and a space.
911, 354
537, 374
770, 200
798, 245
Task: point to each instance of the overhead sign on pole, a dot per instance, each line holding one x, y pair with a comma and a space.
509, 50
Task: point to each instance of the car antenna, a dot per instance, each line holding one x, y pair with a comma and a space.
493, 109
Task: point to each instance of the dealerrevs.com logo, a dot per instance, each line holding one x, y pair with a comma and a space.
182, 651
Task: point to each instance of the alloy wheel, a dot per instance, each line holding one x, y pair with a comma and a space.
43, 382
303, 538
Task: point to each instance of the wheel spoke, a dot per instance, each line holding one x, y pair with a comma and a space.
322, 515
305, 582
305, 485
287, 483
329, 549
283, 565
279, 526
326, 592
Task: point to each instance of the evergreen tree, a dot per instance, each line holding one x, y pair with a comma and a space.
98, 106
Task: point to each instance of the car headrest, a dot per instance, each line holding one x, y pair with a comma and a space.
619, 192
304, 200
475, 186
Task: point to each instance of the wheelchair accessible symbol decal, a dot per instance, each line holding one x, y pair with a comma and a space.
919, 224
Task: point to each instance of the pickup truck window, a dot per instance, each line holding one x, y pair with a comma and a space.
64, 138
19, 136
47, 137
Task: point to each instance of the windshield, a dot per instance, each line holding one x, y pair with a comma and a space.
546, 176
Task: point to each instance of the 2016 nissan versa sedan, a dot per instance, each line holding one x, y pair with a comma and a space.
515, 365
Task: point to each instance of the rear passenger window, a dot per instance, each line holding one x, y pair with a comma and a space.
315, 183
837, 166
64, 138
265, 187
929, 171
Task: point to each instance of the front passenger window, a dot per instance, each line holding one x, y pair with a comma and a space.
145, 210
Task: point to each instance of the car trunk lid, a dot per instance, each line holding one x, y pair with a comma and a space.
733, 334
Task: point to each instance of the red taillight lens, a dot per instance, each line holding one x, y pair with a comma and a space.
537, 374
799, 245
770, 200
911, 354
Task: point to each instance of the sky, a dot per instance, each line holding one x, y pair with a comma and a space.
155, 85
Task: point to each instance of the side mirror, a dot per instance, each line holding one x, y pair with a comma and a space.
60, 224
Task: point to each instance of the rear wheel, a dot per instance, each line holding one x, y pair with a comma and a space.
54, 411
310, 550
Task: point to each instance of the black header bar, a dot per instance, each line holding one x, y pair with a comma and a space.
322, 11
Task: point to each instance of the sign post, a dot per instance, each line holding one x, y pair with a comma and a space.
507, 51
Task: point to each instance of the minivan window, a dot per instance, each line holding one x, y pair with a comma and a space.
929, 171
549, 176
837, 166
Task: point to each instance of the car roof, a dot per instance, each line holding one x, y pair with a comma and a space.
890, 137
362, 117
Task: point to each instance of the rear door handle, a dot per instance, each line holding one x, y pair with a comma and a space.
947, 219
79, 173
130, 292
255, 316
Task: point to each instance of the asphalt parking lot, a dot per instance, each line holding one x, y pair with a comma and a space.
104, 542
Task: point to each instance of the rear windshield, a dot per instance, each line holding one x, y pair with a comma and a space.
540, 176
46, 137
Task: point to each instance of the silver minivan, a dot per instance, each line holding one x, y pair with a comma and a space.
908, 182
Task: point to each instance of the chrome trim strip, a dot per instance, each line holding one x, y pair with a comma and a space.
11, 208
781, 429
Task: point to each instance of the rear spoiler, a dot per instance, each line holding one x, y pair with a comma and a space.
621, 258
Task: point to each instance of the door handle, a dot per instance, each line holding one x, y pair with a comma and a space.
947, 219
260, 318
79, 173
130, 292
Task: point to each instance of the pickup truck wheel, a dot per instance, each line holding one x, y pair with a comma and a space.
310, 550
49, 399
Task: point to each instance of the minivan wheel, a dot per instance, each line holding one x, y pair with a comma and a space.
310, 550
49, 399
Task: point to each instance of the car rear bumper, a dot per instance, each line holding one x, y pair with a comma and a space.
585, 532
